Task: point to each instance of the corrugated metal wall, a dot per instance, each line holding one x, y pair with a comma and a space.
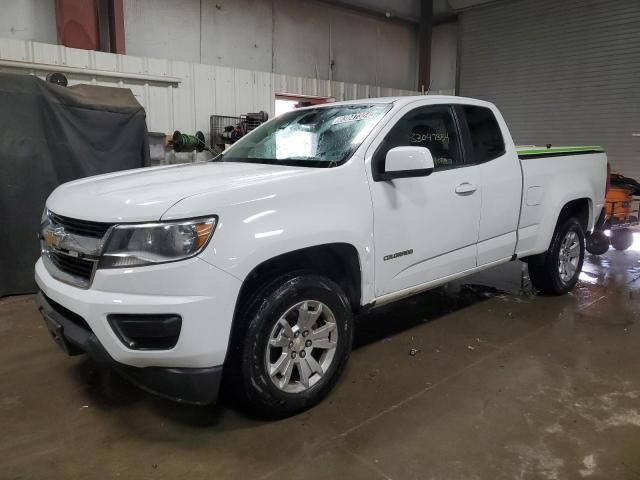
204, 89
562, 72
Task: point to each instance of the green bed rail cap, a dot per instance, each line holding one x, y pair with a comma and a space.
523, 151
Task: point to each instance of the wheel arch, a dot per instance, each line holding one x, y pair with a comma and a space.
581, 209
339, 262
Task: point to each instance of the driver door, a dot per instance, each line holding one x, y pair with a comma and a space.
425, 228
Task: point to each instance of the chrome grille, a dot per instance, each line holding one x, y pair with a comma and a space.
79, 267
80, 227
71, 248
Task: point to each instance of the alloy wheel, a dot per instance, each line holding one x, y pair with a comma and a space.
569, 256
302, 346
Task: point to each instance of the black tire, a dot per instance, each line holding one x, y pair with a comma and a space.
597, 243
253, 385
544, 268
621, 239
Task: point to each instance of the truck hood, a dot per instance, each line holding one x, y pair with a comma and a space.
146, 194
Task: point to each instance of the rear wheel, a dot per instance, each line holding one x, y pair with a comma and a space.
597, 243
621, 239
556, 271
296, 345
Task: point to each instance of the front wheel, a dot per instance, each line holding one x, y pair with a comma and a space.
556, 271
296, 345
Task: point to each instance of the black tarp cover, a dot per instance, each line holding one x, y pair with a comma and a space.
50, 135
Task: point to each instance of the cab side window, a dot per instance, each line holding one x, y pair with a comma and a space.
431, 127
485, 133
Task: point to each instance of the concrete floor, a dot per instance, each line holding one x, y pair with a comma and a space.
503, 384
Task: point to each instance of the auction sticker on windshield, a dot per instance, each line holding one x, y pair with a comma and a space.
355, 117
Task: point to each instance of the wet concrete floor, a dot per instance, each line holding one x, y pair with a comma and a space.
502, 384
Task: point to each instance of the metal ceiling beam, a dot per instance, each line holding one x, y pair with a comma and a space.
436, 20
459, 5
373, 12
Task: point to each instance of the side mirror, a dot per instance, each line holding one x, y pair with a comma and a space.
406, 162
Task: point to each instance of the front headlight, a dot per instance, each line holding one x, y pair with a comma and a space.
152, 243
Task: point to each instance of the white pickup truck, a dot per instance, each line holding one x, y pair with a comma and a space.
253, 264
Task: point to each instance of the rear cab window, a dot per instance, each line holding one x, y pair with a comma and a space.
486, 137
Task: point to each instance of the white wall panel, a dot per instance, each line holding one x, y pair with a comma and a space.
11, 49
264, 93
225, 82
203, 90
183, 98
42, 53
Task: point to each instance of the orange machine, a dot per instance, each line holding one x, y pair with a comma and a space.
618, 203
620, 216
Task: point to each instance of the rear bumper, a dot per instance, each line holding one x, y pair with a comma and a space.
72, 333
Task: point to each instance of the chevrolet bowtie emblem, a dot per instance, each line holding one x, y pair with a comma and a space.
54, 238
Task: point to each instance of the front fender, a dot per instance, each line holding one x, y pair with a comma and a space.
268, 220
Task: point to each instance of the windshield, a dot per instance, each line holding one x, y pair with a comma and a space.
315, 137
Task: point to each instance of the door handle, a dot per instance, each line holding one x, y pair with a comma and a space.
466, 188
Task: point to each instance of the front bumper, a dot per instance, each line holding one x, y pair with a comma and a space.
202, 295
189, 385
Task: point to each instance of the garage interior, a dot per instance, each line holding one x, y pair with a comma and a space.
482, 378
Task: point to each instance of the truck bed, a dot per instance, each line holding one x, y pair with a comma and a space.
577, 173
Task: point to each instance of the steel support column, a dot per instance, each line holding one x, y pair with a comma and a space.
424, 46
